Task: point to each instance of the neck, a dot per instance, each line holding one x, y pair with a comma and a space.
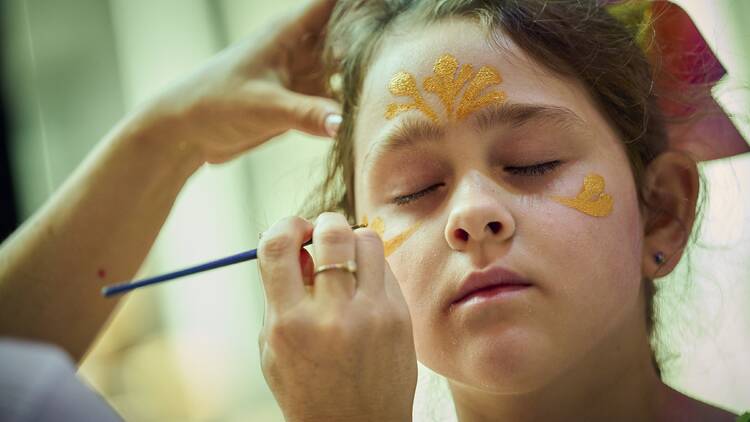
616, 381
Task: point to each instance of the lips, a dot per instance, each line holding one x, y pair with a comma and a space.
490, 277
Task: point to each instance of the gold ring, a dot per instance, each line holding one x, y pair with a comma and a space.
348, 266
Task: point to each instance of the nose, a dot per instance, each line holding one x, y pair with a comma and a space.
480, 216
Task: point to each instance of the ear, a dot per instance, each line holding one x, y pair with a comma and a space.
670, 196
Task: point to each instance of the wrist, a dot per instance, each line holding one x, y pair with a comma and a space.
155, 133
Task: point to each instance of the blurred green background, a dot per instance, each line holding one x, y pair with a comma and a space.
188, 351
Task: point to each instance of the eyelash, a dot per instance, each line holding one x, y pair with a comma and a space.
405, 199
525, 171
533, 170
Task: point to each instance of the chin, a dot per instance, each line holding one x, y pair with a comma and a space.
511, 362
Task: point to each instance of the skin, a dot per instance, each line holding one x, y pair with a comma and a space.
574, 346
100, 225
341, 347
358, 368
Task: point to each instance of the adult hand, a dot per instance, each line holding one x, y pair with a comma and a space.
126, 187
335, 346
263, 86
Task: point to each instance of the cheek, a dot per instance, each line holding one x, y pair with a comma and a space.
421, 273
415, 266
599, 258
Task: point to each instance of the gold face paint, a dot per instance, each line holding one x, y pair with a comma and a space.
591, 200
443, 84
472, 102
390, 245
404, 85
447, 86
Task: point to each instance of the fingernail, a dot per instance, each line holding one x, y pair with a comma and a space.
332, 123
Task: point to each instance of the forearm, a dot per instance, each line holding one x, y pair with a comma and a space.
96, 229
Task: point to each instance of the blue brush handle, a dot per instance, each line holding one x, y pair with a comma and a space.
116, 289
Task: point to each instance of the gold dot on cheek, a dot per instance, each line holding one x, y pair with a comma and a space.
591, 200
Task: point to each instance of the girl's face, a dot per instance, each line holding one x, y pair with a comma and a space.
474, 188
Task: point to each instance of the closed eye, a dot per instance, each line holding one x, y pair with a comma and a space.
533, 170
405, 199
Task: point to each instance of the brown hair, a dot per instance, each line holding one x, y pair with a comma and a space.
575, 38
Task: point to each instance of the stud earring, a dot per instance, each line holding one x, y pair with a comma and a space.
659, 258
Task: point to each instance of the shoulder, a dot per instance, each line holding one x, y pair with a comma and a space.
39, 382
680, 407
711, 413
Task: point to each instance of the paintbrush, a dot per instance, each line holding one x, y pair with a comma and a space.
116, 289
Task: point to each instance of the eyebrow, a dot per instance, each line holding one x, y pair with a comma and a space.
412, 131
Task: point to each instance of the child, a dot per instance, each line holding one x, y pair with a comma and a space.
530, 188
521, 183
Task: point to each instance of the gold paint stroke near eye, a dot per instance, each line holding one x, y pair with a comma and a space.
377, 225
447, 85
391, 245
591, 200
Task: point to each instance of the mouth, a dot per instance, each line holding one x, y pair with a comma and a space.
489, 283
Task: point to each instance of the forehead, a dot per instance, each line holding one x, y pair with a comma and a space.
415, 50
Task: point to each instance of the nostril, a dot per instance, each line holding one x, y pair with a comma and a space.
495, 227
461, 234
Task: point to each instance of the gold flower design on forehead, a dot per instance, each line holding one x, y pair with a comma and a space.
447, 85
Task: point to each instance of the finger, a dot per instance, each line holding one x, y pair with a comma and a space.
333, 243
307, 266
370, 262
314, 115
278, 260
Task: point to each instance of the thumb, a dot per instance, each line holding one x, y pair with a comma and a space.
315, 115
